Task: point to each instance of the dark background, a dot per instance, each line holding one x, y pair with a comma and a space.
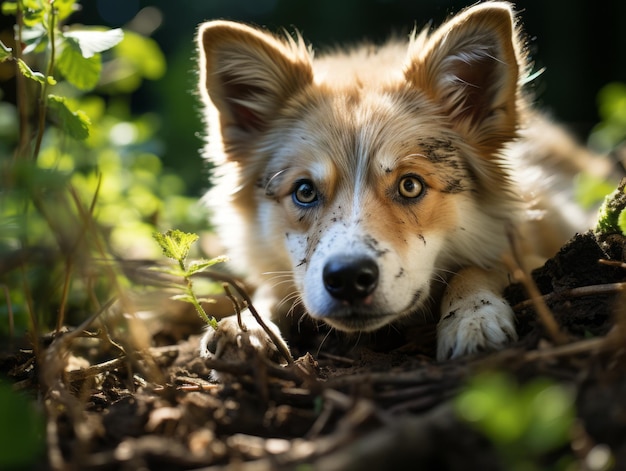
581, 44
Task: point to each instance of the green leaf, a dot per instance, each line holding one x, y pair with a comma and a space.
550, 407
612, 102
590, 190
30, 73
83, 73
35, 39
187, 298
175, 244
9, 8
35, 12
520, 420
91, 42
76, 124
5, 52
207, 300
143, 54
33, 4
65, 8
22, 431
198, 266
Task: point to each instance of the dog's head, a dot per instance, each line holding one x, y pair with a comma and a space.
370, 174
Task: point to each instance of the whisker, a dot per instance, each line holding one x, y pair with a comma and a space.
278, 272
301, 319
438, 275
319, 349
394, 327
356, 343
295, 301
426, 310
288, 300
279, 283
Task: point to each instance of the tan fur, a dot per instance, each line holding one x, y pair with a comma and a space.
442, 110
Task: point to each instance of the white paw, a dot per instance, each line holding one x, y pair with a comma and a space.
230, 343
478, 322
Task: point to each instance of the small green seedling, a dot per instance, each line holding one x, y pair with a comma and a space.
176, 245
612, 213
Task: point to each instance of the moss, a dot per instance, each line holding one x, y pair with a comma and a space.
612, 214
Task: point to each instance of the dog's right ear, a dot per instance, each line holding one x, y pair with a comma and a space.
248, 74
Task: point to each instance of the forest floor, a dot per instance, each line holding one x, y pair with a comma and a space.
344, 407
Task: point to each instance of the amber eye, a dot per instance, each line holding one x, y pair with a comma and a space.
410, 186
304, 193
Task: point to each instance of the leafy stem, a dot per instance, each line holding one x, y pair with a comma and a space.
196, 304
20, 79
176, 245
190, 296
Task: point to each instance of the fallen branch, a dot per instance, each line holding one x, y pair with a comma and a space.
587, 346
581, 292
516, 265
95, 370
612, 263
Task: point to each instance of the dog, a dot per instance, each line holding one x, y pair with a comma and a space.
373, 186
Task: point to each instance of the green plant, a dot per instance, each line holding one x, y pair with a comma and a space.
74, 53
44, 211
610, 132
608, 135
22, 430
612, 213
523, 422
176, 245
81, 175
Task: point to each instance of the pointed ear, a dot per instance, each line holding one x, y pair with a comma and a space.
247, 74
471, 65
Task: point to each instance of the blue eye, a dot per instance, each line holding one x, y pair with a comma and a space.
304, 193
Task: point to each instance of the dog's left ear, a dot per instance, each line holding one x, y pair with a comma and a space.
471, 65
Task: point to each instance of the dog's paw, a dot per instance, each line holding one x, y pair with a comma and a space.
482, 321
230, 343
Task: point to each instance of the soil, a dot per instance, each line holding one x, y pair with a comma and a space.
345, 407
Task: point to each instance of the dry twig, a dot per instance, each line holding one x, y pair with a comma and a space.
516, 265
581, 292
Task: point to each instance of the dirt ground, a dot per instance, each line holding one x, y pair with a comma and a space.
344, 407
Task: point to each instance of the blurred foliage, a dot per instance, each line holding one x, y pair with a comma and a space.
82, 179
21, 430
608, 136
523, 422
590, 190
610, 132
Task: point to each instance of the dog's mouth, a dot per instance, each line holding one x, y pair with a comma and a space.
368, 318
359, 322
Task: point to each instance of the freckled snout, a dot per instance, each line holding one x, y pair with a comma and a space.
350, 278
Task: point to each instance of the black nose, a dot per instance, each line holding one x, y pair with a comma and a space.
350, 278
